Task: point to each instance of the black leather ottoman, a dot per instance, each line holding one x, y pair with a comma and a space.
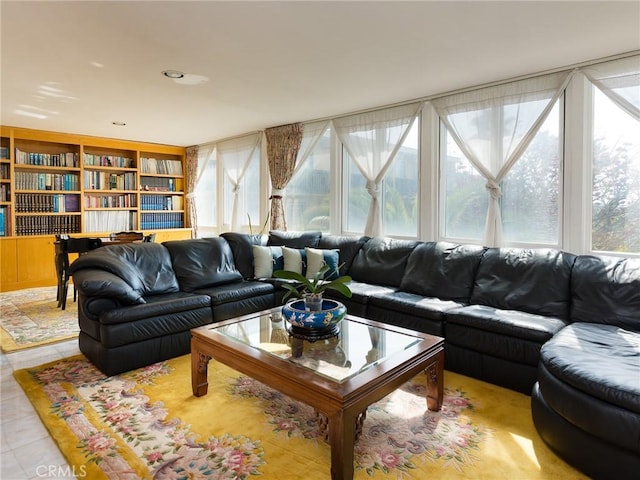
586, 404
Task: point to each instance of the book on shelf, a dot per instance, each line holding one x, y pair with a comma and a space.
4, 153
5, 192
69, 159
47, 181
109, 221
161, 220
3, 221
161, 202
160, 166
107, 161
47, 225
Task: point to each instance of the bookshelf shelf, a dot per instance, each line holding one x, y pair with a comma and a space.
45, 214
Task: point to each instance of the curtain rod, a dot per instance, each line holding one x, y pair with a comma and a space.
587, 63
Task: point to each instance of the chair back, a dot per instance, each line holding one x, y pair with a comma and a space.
126, 237
79, 245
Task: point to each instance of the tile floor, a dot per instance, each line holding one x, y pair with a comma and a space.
27, 451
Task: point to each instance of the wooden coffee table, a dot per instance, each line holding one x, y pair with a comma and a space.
339, 377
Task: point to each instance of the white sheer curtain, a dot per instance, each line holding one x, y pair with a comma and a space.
493, 127
620, 81
235, 156
206, 154
372, 140
311, 134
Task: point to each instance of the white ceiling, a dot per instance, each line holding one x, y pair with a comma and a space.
79, 66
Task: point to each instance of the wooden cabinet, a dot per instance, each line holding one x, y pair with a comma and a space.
52, 183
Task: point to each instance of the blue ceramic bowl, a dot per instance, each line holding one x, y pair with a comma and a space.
331, 314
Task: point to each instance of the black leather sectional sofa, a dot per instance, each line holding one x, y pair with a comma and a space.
563, 328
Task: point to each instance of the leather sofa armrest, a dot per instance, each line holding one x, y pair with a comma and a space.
99, 283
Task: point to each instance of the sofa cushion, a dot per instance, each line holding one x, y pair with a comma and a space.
348, 246
530, 280
146, 267
508, 334
606, 289
241, 244
266, 260
161, 316
382, 261
442, 270
295, 259
294, 239
202, 262
600, 360
412, 304
235, 292
318, 258
513, 323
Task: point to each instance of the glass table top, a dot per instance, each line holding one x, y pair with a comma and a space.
356, 348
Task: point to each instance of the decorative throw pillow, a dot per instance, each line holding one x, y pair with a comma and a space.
294, 259
316, 258
266, 260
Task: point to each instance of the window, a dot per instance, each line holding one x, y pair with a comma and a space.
530, 201
307, 194
463, 196
248, 195
206, 192
240, 162
531, 196
615, 223
398, 195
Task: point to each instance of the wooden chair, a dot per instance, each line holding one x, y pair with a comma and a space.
64, 245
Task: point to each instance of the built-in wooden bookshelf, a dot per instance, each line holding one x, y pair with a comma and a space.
53, 183
5, 187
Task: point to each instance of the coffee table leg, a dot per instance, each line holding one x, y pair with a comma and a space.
435, 383
341, 439
199, 370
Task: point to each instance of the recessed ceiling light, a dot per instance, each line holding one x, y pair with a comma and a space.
119, 124
173, 74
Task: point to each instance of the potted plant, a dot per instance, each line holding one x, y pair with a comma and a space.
311, 290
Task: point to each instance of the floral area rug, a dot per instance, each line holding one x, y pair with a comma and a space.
147, 424
31, 317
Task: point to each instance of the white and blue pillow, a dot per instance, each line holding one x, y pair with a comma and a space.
306, 261
316, 258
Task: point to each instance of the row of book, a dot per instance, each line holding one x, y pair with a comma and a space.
47, 181
108, 161
109, 181
161, 166
157, 184
5, 171
38, 203
161, 202
5, 192
110, 201
47, 224
5, 221
109, 221
69, 159
4, 152
161, 220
